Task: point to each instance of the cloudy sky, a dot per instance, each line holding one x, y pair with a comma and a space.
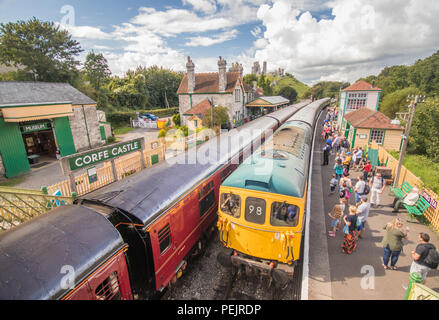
313, 39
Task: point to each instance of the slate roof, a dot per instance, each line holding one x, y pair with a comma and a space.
361, 86
200, 109
209, 82
367, 118
14, 93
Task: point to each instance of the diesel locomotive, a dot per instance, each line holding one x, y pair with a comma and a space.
262, 203
132, 238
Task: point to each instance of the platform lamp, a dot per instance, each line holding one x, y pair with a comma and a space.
414, 100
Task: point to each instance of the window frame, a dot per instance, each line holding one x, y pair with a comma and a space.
296, 218
167, 236
371, 133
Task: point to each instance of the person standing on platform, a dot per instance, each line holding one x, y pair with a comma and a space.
377, 185
338, 169
392, 242
363, 213
336, 215
326, 151
359, 189
350, 229
366, 169
421, 257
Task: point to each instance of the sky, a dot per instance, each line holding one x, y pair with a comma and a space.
315, 40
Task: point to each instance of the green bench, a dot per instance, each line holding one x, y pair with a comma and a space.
403, 190
418, 209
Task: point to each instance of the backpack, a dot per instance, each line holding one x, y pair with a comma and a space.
366, 189
432, 258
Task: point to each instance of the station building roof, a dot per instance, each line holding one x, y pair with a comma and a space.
25, 93
368, 118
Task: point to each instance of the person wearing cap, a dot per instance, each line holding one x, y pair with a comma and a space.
409, 199
362, 213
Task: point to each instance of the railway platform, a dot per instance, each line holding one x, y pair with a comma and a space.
333, 275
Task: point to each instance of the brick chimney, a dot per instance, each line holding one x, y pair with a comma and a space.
222, 75
190, 75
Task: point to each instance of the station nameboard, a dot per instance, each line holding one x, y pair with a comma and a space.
103, 154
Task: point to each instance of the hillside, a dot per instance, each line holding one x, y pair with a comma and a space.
291, 81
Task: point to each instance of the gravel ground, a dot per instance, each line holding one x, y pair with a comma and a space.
206, 279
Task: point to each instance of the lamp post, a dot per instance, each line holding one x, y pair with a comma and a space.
414, 100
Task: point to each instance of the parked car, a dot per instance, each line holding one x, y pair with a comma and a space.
149, 116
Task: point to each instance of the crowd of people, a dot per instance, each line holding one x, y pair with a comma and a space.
353, 195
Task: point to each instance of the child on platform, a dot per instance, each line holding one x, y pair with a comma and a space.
333, 183
336, 215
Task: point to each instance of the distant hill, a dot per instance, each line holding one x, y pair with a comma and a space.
291, 81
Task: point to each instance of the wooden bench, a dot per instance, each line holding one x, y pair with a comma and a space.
418, 209
403, 190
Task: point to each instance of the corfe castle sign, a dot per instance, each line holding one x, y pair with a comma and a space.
90, 158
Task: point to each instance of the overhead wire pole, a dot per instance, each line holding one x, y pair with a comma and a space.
414, 100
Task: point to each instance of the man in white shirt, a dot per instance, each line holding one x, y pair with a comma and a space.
409, 199
377, 185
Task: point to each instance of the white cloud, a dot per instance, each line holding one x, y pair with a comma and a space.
206, 6
256, 31
86, 32
361, 39
208, 41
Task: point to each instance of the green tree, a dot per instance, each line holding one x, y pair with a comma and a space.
424, 138
249, 78
288, 92
220, 117
397, 101
41, 48
96, 69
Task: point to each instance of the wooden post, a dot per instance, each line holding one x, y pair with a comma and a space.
142, 156
113, 169
72, 182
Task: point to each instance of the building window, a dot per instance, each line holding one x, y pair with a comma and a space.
356, 101
195, 123
237, 95
377, 136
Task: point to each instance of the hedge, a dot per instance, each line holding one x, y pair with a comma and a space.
122, 118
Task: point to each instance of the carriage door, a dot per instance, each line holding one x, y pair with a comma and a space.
164, 244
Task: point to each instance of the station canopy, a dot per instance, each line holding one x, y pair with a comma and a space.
268, 102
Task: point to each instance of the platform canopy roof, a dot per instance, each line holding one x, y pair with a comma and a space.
271, 101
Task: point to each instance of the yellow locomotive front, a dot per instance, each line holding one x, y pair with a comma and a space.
262, 205
260, 224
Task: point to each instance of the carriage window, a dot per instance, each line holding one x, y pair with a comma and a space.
165, 238
207, 202
284, 214
225, 173
231, 204
109, 289
255, 210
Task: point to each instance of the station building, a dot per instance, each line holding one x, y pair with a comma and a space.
359, 95
364, 126
41, 121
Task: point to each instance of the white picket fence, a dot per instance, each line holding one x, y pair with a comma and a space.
144, 124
